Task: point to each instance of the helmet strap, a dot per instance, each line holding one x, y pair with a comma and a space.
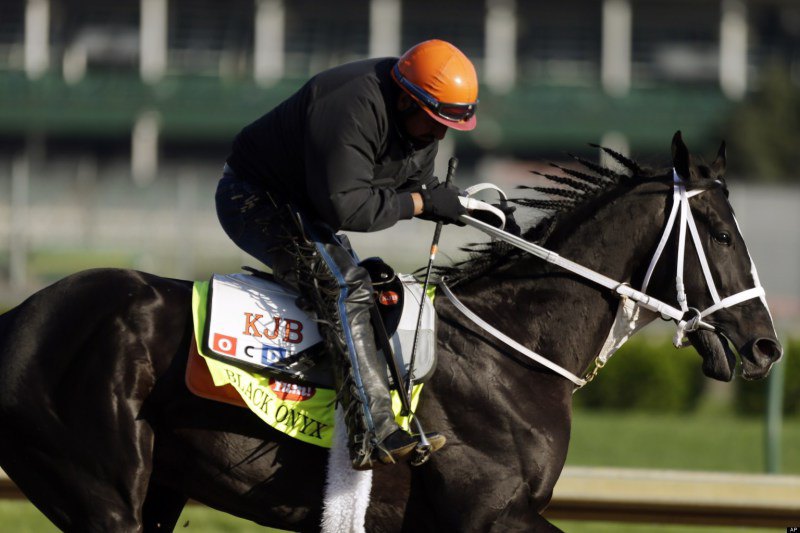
404, 114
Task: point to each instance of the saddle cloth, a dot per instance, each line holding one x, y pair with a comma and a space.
254, 347
255, 324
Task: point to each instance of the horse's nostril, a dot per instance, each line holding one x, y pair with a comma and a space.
769, 348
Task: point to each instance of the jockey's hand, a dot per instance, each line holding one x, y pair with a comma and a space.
442, 205
507, 209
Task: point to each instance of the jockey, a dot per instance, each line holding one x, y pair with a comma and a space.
353, 149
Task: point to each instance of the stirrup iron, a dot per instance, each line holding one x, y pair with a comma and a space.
423, 450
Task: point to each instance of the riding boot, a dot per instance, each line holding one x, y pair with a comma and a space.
363, 378
374, 435
342, 295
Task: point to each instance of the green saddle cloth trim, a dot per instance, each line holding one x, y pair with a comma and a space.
310, 420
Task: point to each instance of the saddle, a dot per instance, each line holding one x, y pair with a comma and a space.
254, 346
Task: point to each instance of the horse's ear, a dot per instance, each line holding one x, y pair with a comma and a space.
718, 166
680, 156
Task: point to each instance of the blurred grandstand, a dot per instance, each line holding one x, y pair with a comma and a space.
115, 117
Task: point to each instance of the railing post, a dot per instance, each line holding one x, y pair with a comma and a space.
20, 230
772, 429
268, 46
615, 62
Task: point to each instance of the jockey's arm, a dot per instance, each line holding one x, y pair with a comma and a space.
341, 144
417, 199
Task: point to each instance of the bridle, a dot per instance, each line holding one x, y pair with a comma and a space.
686, 318
680, 208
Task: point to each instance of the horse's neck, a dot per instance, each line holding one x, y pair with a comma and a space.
617, 238
551, 311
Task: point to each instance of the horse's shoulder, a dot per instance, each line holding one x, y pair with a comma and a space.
117, 279
100, 289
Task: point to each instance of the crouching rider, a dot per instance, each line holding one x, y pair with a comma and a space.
353, 149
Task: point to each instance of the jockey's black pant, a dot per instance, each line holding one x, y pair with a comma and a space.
308, 256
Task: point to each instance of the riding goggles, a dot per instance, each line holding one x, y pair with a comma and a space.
447, 111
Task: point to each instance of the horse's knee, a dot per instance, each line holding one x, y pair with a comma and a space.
111, 518
162, 507
541, 496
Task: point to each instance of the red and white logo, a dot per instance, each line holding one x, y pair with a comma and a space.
291, 391
389, 298
224, 344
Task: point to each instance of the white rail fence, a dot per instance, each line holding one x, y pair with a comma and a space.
656, 496
677, 497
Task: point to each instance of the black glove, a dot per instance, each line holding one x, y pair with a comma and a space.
508, 210
442, 205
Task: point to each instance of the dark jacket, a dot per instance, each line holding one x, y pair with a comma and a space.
334, 149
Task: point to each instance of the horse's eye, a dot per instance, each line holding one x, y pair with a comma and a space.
723, 238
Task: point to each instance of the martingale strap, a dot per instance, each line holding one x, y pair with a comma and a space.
686, 318
508, 340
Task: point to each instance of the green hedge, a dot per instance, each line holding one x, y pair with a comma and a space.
649, 374
751, 396
646, 374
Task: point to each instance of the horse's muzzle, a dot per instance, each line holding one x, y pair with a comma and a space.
759, 356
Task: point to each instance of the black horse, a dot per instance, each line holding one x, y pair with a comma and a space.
101, 433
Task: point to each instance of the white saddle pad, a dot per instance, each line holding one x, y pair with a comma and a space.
255, 322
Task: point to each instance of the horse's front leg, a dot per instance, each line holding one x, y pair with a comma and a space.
522, 512
475, 493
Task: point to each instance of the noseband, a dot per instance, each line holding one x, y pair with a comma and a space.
686, 318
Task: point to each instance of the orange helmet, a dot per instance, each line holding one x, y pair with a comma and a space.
440, 78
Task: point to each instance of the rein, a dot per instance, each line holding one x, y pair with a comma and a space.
685, 324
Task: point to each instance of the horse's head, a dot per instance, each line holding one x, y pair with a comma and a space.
724, 287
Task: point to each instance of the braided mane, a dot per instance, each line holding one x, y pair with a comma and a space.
573, 189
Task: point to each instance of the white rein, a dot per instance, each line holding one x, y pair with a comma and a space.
680, 206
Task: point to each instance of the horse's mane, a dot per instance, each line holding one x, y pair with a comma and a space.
573, 191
